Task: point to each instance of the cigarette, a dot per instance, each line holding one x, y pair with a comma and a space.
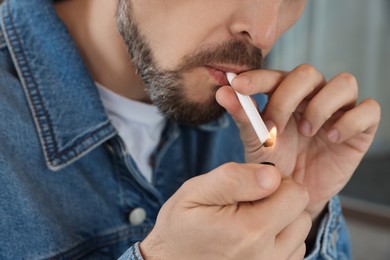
253, 114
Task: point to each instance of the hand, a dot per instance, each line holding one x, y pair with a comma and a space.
222, 215
322, 134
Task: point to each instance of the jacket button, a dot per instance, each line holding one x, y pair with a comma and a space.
137, 216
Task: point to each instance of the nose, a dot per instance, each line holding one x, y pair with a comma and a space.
257, 22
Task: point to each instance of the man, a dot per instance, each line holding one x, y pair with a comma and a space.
90, 169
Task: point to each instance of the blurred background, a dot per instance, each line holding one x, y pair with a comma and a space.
352, 36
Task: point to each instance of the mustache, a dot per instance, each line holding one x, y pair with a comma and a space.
231, 52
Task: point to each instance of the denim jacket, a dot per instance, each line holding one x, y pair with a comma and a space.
69, 190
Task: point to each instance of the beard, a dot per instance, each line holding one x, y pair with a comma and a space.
166, 88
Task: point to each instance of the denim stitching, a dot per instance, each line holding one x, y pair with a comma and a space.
23, 72
133, 253
40, 112
76, 151
2, 40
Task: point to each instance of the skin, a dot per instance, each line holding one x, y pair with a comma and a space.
318, 122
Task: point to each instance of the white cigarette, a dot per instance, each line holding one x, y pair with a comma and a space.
253, 115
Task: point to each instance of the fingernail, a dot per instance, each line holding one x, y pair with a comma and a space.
266, 179
333, 135
305, 128
268, 163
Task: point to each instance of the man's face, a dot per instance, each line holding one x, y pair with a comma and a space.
182, 48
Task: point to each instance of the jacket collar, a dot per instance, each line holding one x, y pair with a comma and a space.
62, 96
63, 99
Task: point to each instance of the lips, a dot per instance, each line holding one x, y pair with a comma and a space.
218, 73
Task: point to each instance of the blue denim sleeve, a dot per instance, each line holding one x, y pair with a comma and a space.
332, 238
133, 253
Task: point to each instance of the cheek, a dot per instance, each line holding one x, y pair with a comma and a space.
168, 39
169, 50
152, 23
177, 29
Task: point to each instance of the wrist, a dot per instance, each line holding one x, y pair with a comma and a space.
316, 223
317, 210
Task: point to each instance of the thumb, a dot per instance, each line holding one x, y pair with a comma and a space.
232, 183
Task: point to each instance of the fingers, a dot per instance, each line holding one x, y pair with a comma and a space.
243, 208
261, 185
247, 83
284, 206
292, 238
336, 103
300, 84
314, 102
231, 183
272, 212
287, 90
340, 92
226, 97
258, 81
362, 119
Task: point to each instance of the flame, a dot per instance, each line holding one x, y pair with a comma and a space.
272, 138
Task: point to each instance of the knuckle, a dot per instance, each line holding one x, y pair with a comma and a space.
349, 78
189, 183
228, 168
187, 186
375, 106
307, 70
227, 171
350, 83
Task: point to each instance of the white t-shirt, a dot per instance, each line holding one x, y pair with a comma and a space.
139, 125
